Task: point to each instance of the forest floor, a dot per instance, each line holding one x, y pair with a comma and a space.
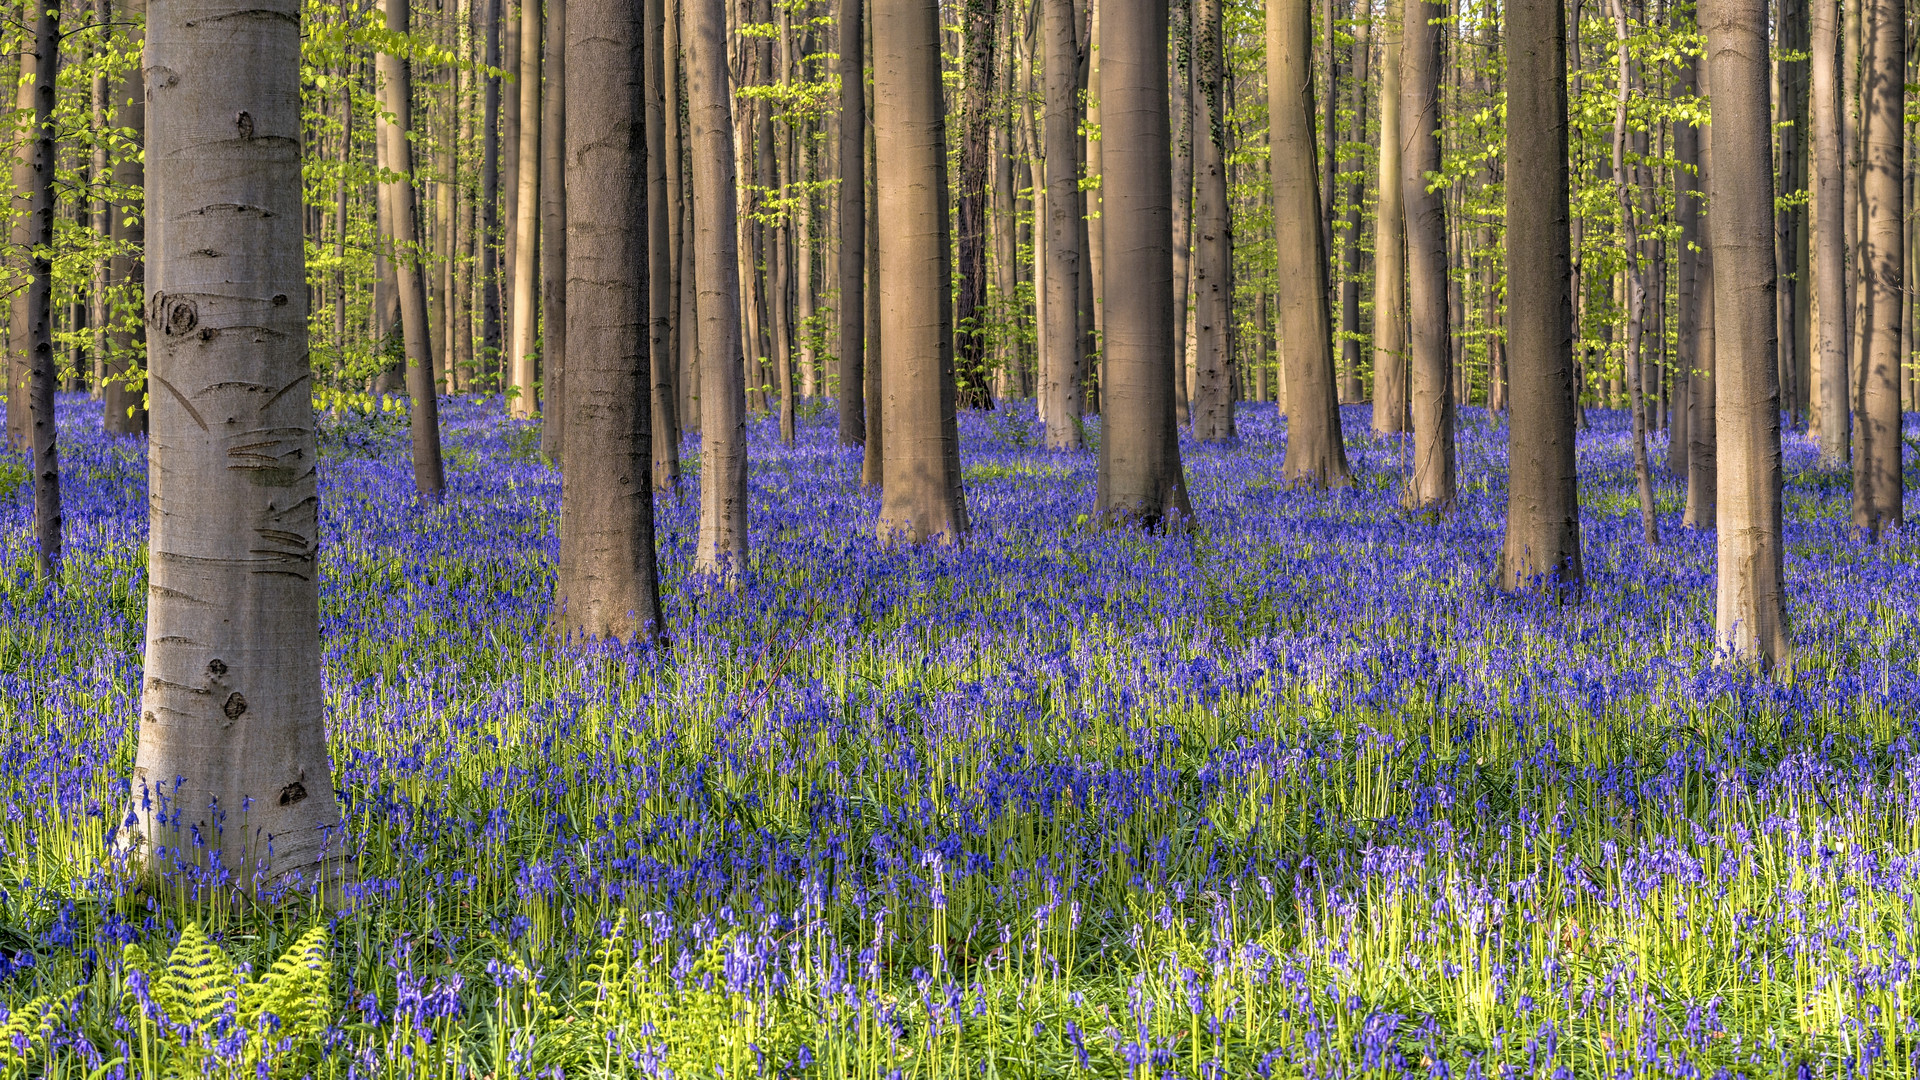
1298, 793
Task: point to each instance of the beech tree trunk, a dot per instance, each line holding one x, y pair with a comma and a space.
1431, 485
1391, 400
232, 754
1884, 164
1829, 238
665, 426
525, 297
1636, 290
20, 236
396, 83
722, 548
1702, 395
553, 238
1180, 29
1212, 405
42, 377
1141, 480
1350, 333
608, 585
1316, 453
922, 498
1064, 344
125, 391
976, 145
1542, 544
487, 239
1750, 609
852, 313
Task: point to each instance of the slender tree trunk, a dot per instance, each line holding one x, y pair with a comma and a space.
1702, 394
1884, 162
20, 324
126, 411
608, 585
1212, 405
1390, 389
1431, 486
722, 547
664, 429
487, 239
922, 499
1316, 455
1751, 609
1636, 288
873, 461
232, 746
776, 169
1542, 545
41, 374
852, 314
97, 302
1350, 334
397, 99
1328, 99
681, 303
1829, 237
525, 296
510, 53
1092, 239
1064, 344
553, 238
979, 18
1180, 26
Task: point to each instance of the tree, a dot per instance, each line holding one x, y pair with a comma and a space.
232, 754
608, 585
1141, 480
125, 405
42, 378
19, 327
922, 499
851, 404
1431, 485
1702, 395
526, 219
487, 237
1883, 90
1316, 453
396, 87
976, 145
1390, 397
1751, 609
1829, 236
1542, 544
1632, 362
722, 548
660, 320
553, 239
1212, 405
1064, 346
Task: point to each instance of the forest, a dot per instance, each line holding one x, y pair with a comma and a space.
897, 539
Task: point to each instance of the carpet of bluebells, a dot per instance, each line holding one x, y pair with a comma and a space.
1296, 794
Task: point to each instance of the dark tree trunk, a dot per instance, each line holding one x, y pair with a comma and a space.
852, 310
976, 146
1431, 485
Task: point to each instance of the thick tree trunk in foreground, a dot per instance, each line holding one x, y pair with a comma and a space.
126, 411
396, 81
1884, 162
1141, 481
723, 406
1542, 544
852, 308
1751, 608
1829, 238
232, 754
524, 295
1431, 486
922, 499
553, 238
1316, 455
1063, 345
43, 438
1390, 397
1212, 405
608, 585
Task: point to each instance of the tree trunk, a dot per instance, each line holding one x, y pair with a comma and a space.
99, 212
487, 238
1829, 237
976, 144
1316, 454
922, 499
1702, 395
1390, 397
510, 52
1350, 336
1180, 27
1066, 359
232, 746
664, 429
553, 239
1884, 162
126, 411
852, 313
523, 324
1431, 486
41, 374
1636, 288
20, 323
1751, 609
722, 547
608, 585
1212, 405
396, 81
873, 461
1542, 544
776, 169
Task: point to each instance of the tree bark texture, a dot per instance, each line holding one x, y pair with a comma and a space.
524, 295
976, 145
1884, 163
1431, 485
553, 238
42, 377
852, 315
665, 426
1212, 404
1064, 344
125, 392
1391, 400
1829, 237
396, 83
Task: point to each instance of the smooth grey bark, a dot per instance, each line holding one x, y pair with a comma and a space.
1883, 161
1064, 344
979, 19
396, 88
523, 324
1750, 606
1702, 395
1212, 406
1542, 543
922, 498
1141, 480
1180, 30
1350, 334
232, 753
554, 209
42, 378
1432, 483
1829, 239
608, 583
1632, 361
126, 410
487, 238
852, 314
1316, 454
20, 237
1390, 391
665, 427
722, 548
